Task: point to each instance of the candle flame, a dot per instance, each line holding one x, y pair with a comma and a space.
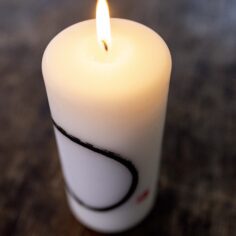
103, 24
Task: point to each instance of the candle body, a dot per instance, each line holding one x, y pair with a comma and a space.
109, 111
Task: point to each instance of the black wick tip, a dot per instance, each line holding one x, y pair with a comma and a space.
105, 45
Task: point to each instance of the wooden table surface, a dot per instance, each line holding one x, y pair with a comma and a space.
197, 194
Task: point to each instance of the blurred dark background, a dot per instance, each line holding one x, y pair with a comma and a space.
197, 194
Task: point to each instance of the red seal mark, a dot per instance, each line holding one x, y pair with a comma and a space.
142, 196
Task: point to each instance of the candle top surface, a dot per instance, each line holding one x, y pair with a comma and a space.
76, 63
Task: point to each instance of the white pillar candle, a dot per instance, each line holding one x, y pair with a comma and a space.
109, 110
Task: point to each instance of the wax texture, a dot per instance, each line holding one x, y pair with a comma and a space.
109, 112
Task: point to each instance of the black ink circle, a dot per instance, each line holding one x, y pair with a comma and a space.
108, 154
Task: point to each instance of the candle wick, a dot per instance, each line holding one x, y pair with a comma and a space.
105, 45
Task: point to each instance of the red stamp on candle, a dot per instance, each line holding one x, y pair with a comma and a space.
142, 196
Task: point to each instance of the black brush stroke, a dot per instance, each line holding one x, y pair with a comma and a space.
108, 154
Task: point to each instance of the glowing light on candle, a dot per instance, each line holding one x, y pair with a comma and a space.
103, 24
